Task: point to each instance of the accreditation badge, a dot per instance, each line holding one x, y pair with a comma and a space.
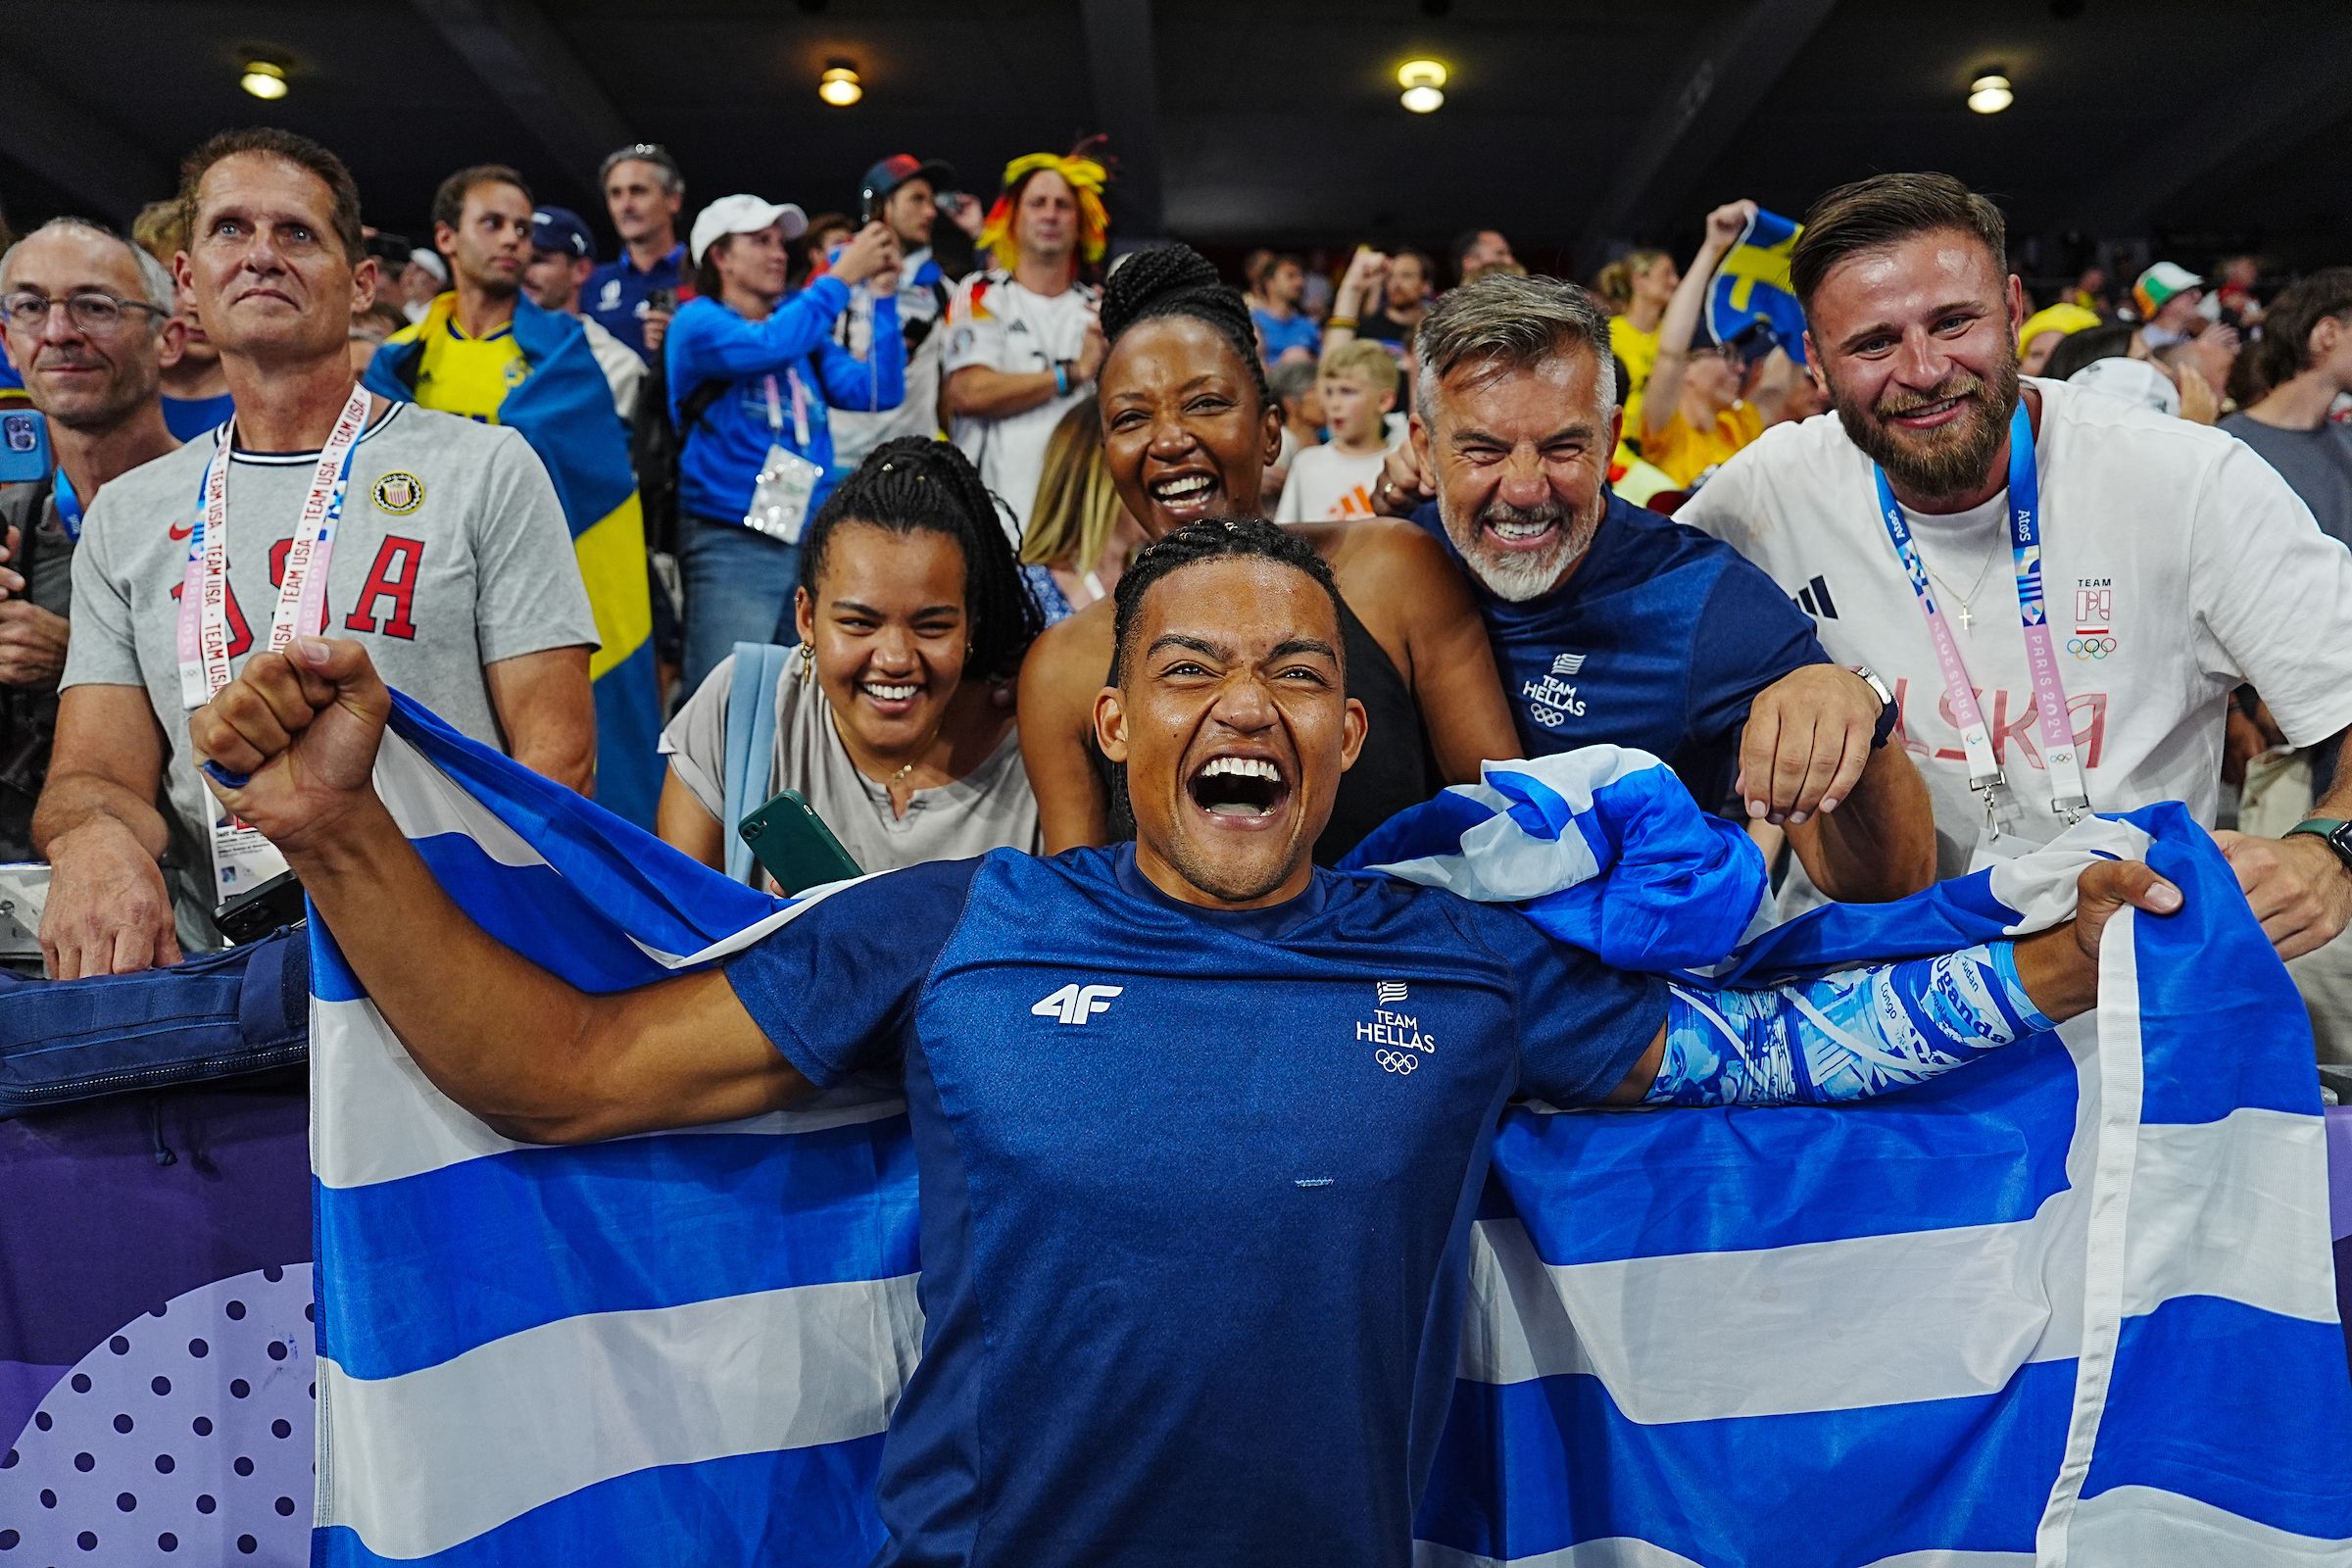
242, 859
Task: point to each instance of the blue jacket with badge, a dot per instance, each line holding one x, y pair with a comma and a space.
724, 445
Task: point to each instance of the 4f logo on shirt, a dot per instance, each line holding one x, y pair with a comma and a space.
1398, 1043
1552, 701
1076, 1003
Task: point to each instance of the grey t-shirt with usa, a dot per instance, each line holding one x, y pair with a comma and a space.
451, 554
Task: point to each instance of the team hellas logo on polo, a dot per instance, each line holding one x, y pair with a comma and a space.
399, 493
1394, 1035
1552, 701
2094, 618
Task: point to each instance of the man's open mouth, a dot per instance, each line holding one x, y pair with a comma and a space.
1242, 790
1521, 530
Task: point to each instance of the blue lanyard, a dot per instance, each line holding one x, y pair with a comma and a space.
68, 505
2068, 792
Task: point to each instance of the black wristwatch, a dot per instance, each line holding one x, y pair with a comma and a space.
1889, 713
2334, 831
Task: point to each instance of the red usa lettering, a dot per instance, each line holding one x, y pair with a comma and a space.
390, 588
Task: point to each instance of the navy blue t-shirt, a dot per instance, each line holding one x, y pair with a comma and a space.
1661, 639
617, 294
1197, 1188
190, 418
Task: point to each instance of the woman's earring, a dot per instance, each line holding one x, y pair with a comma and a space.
807, 662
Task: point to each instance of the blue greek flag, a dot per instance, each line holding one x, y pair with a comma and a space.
2074, 1304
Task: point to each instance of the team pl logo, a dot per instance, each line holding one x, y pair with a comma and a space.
1552, 701
2094, 618
1398, 1043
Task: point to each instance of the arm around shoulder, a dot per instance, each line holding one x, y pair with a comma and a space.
1406, 589
1057, 706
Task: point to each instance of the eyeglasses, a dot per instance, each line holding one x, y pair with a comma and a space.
94, 313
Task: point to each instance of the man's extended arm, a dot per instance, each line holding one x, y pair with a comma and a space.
529, 1053
108, 911
1871, 1031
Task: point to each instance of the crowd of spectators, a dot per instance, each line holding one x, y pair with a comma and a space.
913, 452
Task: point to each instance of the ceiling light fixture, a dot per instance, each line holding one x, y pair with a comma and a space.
839, 86
1990, 93
1421, 80
263, 78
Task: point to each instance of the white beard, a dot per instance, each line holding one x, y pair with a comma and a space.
1515, 577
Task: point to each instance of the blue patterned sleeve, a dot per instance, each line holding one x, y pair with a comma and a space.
1843, 1035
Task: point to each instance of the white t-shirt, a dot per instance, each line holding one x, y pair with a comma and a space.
1327, 485
994, 322
2176, 565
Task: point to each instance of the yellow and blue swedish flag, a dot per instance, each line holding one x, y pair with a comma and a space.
563, 406
1752, 285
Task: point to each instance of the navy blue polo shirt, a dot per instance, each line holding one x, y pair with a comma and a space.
1196, 1185
1660, 639
616, 294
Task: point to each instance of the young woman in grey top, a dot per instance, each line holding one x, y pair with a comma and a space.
911, 612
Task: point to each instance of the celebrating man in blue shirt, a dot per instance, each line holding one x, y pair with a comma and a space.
1199, 1127
1612, 624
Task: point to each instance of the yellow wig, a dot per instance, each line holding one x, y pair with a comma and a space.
1086, 178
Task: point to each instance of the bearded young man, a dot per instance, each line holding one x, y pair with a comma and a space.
2064, 589
1175, 1310
1615, 626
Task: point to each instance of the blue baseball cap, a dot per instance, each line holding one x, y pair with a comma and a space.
559, 228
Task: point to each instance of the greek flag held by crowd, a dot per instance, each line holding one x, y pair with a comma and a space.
2074, 1305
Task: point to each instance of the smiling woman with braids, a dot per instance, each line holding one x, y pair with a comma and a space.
910, 604
1187, 428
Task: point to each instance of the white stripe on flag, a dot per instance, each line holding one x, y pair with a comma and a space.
2225, 1209
490, 1435
2141, 1525
2236, 1208
1861, 1322
2101, 1165
376, 1117
427, 803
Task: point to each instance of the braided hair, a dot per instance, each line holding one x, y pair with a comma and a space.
912, 483
1210, 539
1178, 280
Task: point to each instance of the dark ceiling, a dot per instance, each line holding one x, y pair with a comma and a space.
1575, 126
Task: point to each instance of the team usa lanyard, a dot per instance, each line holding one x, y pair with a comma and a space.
204, 634
2068, 795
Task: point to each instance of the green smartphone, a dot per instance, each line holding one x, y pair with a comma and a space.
793, 845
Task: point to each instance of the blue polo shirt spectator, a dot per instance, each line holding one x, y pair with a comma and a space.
1660, 639
617, 295
1283, 333
738, 386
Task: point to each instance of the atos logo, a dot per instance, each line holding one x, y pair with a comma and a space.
1076, 1003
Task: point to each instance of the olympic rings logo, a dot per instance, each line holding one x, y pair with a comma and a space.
2091, 647
1402, 1061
